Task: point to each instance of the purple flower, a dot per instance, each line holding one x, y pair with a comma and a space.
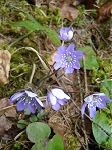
66, 34
26, 99
67, 58
95, 100
56, 97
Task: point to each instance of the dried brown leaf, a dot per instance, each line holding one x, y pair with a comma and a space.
11, 112
89, 4
105, 12
3, 103
5, 124
51, 58
68, 11
5, 57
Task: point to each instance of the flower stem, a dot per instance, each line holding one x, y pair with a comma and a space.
33, 72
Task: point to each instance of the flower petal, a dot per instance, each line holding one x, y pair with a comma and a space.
78, 54
88, 99
32, 107
83, 108
21, 105
105, 98
69, 70
15, 96
57, 58
76, 65
70, 35
56, 107
92, 112
39, 102
58, 93
61, 101
30, 94
71, 47
61, 50
57, 66
52, 98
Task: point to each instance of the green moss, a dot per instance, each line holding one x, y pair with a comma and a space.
72, 142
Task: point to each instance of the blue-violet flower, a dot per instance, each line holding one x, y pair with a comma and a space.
26, 99
67, 58
56, 97
95, 100
66, 34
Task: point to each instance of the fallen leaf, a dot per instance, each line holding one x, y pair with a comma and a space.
5, 124
3, 103
11, 112
89, 4
68, 11
51, 58
104, 12
5, 57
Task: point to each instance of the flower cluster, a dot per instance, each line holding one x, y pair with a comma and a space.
95, 100
56, 97
26, 99
67, 57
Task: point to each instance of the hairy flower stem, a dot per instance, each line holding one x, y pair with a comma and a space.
85, 76
32, 74
81, 97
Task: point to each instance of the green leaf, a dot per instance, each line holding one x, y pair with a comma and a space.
41, 113
29, 25
27, 111
38, 146
53, 36
38, 132
90, 58
56, 143
36, 26
107, 86
102, 120
107, 83
20, 38
110, 141
33, 118
21, 124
